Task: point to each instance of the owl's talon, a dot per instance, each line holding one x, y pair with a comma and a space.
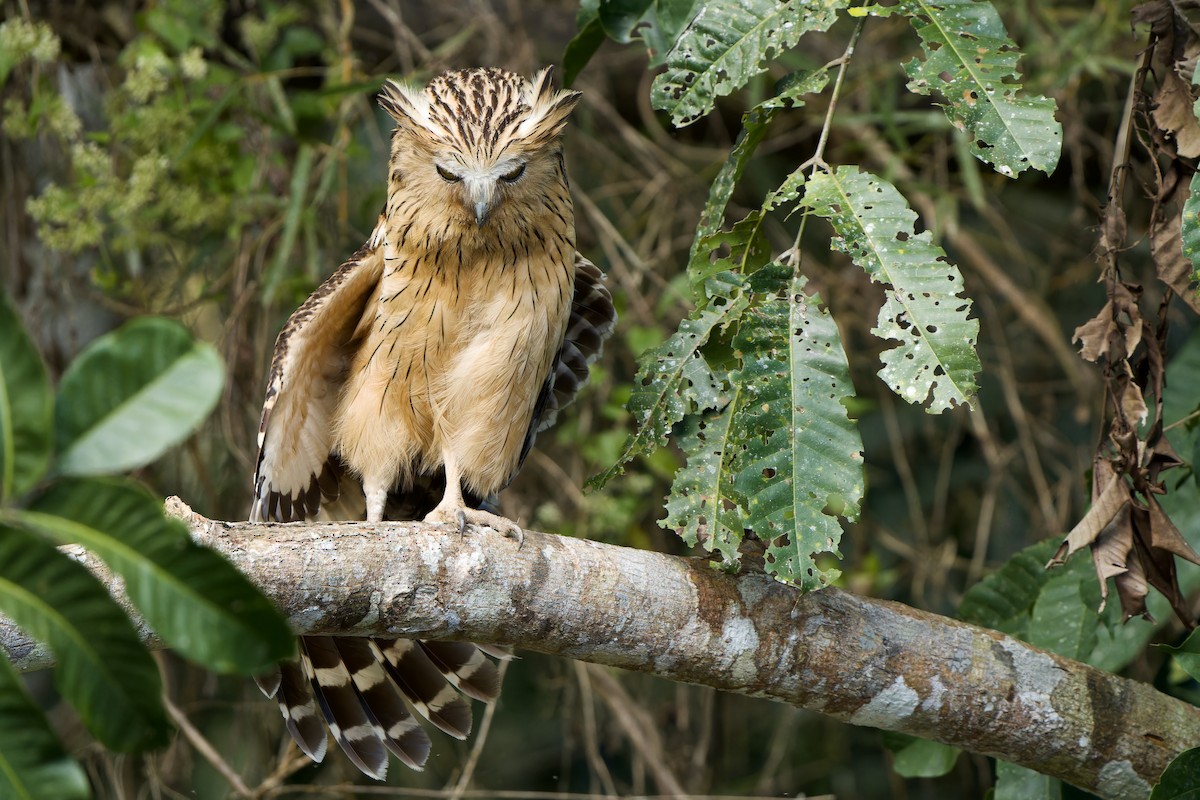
460, 517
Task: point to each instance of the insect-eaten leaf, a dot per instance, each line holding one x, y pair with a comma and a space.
798, 462
925, 311
1183, 278
726, 44
971, 63
675, 378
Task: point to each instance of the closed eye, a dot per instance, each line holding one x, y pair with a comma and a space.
447, 175
514, 174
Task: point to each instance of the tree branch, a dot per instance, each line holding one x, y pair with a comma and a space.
864, 661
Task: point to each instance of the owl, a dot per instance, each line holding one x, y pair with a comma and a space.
412, 383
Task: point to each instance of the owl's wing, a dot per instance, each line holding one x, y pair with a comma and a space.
592, 320
295, 472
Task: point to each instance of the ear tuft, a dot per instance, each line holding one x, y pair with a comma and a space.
549, 108
403, 103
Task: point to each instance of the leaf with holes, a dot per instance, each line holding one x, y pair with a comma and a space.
971, 62
798, 456
924, 310
675, 379
702, 506
727, 43
741, 250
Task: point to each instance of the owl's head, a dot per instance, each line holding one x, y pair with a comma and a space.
485, 139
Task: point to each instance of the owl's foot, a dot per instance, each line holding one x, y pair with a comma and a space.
461, 515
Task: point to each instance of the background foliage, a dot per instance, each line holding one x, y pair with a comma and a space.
213, 161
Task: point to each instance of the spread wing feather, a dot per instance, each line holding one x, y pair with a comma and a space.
295, 471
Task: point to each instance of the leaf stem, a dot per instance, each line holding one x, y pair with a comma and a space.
818, 158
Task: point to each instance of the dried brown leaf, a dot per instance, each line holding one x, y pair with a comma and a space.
1174, 268
1093, 335
1110, 551
1164, 536
1173, 113
1159, 564
1112, 229
1157, 14
1159, 454
1132, 589
1128, 397
1116, 331
1112, 498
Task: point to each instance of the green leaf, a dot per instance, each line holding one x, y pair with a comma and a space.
798, 463
33, 764
972, 64
26, 407
1191, 229
1188, 654
1062, 621
754, 127
727, 43
132, 394
103, 670
621, 17
919, 758
1181, 779
580, 49
924, 311
675, 379
191, 596
748, 250
1021, 783
1003, 600
702, 507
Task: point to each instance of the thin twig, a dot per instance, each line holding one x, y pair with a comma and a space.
818, 157
637, 725
591, 744
205, 749
460, 789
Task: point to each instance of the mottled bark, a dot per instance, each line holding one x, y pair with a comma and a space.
865, 661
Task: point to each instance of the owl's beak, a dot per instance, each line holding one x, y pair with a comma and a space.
481, 193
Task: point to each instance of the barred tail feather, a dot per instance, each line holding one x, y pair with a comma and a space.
299, 710
360, 738
466, 668
381, 699
424, 685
